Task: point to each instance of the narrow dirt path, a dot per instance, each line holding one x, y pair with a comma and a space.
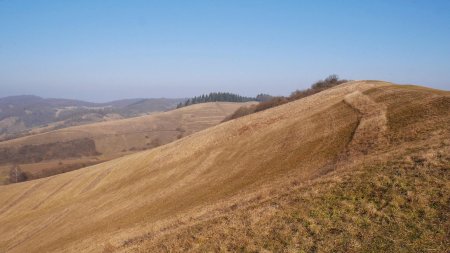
371, 131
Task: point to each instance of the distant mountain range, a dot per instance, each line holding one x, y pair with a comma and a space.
22, 115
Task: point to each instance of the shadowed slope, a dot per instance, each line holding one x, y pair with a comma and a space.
206, 191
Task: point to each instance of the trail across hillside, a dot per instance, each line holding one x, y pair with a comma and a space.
372, 126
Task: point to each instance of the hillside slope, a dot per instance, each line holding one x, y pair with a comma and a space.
66, 149
25, 115
360, 167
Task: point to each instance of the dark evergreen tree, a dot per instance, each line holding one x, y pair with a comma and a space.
263, 97
216, 97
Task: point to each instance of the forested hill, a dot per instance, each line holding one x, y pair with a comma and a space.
216, 97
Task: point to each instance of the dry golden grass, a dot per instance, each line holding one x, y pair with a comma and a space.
333, 171
120, 137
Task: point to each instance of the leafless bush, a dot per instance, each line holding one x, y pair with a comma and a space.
16, 175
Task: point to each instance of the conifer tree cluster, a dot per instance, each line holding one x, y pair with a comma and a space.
216, 97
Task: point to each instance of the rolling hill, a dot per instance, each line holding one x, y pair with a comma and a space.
361, 167
24, 115
70, 148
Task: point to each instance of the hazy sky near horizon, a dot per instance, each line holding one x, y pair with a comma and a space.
105, 50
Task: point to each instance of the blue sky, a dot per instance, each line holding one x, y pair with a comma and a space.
104, 50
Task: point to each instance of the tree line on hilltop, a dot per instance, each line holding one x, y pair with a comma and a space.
216, 97
265, 101
269, 102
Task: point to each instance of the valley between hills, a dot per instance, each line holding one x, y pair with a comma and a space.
58, 151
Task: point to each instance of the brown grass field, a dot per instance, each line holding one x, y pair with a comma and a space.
69, 148
361, 167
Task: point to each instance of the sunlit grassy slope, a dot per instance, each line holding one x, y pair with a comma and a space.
93, 143
363, 167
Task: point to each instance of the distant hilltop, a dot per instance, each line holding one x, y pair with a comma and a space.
18, 114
